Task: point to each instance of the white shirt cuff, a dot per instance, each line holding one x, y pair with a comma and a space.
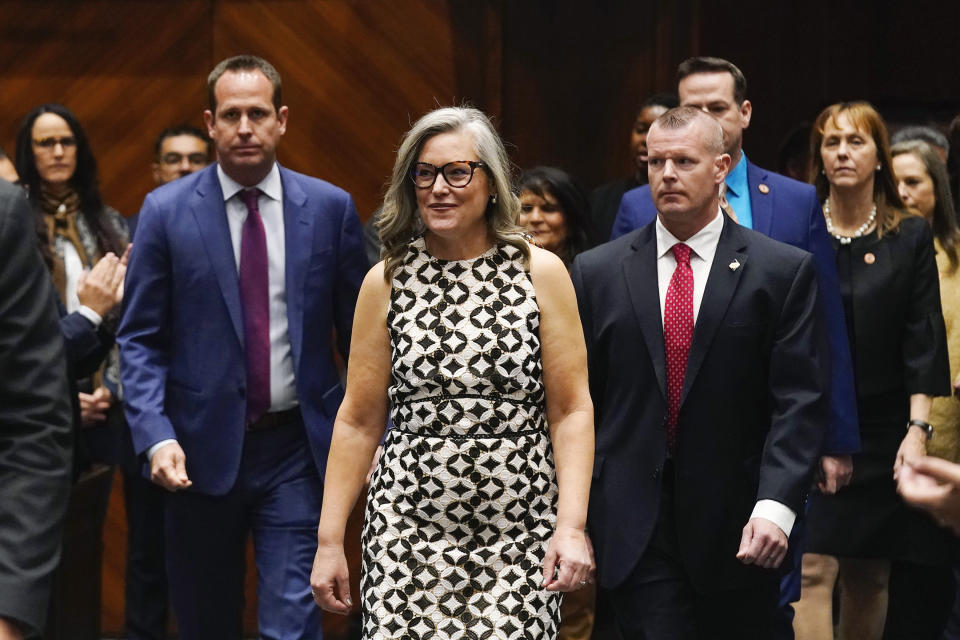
90, 315
777, 513
152, 450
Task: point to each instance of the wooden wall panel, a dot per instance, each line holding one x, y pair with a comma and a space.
562, 78
356, 75
127, 69
573, 79
902, 57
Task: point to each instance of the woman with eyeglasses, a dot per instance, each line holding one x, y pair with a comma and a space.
75, 230
470, 338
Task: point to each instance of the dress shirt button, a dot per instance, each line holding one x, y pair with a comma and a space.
656, 472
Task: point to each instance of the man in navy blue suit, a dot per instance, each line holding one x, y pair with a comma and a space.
240, 276
785, 210
708, 374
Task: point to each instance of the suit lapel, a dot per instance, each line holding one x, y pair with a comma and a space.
640, 272
761, 200
720, 287
298, 241
209, 210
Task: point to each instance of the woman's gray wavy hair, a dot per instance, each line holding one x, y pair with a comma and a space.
400, 220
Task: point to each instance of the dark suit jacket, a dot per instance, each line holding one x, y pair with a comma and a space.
86, 348
788, 211
754, 403
35, 419
181, 335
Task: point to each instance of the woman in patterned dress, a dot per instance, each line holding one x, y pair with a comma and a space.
470, 338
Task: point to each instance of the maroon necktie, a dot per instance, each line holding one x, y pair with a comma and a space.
255, 298
677, 335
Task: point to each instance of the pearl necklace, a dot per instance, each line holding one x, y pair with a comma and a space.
856, 234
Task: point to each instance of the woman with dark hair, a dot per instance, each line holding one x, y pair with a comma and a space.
75, 229
555, 211
889, 286
80, 239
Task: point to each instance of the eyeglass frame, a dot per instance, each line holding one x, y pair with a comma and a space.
473, 164
52, 141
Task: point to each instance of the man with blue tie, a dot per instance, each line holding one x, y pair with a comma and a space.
240, 276
785, 210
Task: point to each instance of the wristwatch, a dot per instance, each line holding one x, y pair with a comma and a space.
926, 426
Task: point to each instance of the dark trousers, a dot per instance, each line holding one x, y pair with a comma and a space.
920, 602
277, 498
145, 611
790, 583
658, 602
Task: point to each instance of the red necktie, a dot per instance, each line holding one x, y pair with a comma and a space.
255, 299
677, 335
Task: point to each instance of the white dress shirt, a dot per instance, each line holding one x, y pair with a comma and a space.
283, 390
703, 245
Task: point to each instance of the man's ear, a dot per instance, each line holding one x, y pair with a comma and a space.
723, 166
746, 112
208, 120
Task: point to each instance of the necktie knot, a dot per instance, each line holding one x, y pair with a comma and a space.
681, 253
251, 198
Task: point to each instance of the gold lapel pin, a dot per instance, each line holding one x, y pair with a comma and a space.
734, 265
763, 188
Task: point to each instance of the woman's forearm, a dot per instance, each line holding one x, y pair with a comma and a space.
572, 439
351, 451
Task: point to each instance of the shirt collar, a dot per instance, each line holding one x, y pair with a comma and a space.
703, 242
737, 178
270, 185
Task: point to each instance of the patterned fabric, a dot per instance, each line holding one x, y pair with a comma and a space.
463, 503
255, 299
60, 215
677, 335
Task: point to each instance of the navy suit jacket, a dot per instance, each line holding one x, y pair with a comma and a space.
788, 211
181, 335
753, 409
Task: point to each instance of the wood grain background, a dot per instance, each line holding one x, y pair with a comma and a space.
561, 78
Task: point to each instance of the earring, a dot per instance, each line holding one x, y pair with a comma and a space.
879, 166
493, 199
823, 171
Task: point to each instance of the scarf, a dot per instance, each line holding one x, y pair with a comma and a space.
61, 213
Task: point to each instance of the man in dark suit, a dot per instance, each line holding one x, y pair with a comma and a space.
239, 275
708, 374
788, 211
35, 424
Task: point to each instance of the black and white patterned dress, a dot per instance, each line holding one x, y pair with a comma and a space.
463, 502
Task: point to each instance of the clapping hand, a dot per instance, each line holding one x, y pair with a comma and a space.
101, 288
